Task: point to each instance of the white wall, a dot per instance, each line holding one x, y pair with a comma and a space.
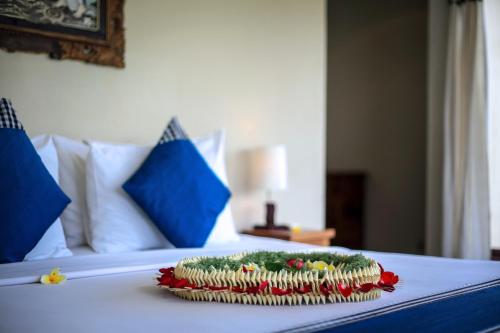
253, 67
377, 111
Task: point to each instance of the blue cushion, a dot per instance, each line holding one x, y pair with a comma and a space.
178, 190
30, 198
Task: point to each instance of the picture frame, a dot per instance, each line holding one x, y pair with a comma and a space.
87, 30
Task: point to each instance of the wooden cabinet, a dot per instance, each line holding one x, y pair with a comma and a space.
320, 237
345, 198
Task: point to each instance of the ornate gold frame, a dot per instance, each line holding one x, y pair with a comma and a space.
108, 52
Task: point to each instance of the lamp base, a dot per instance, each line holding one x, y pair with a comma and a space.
270, 212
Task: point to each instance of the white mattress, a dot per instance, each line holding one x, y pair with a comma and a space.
118, 293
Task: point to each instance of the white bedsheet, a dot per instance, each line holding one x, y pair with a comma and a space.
130, 302
87, 263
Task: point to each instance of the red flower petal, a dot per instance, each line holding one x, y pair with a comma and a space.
299, 264
389, 278
164, 280
280, 292
386, 277
304, 289
366, 287
217, 288
346, 291
180, 283
324, 290
244, 269
237, 289
291, 262
252, 290
263, 285
167, 271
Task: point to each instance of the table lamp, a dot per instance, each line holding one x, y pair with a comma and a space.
268, 172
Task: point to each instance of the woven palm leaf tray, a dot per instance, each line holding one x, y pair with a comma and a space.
278, 278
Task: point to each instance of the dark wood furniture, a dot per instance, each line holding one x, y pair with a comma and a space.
345, 197
495, 254
320, 237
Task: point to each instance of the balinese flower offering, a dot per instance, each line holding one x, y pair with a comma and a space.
278, 278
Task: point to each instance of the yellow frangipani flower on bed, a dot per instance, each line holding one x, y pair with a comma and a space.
55, 277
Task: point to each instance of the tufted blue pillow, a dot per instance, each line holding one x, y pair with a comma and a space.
178, 189
30, 198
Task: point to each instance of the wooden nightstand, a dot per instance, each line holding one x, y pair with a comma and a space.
320, 237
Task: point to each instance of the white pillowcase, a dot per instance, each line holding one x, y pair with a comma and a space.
116, 222
212, 148
53, 243
72, 156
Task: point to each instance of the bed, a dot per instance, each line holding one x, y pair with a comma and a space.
114, 288
117, 292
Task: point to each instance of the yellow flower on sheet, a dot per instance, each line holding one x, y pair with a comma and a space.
331, 267
55, 277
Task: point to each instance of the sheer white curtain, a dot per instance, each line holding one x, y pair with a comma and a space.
466, 213
492, 21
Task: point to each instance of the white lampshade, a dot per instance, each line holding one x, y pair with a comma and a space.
268, 168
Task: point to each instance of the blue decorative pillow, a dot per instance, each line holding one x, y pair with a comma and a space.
31, 200
178, 189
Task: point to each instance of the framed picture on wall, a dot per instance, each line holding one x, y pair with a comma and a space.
86, 30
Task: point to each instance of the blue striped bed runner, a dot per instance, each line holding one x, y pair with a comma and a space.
471, 309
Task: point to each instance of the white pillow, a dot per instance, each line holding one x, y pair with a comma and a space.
72, 156
212, 148
116, 222
53, 243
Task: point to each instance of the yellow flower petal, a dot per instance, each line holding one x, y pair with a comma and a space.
331, 267
55, 277
60, 279
45, 279
319, 265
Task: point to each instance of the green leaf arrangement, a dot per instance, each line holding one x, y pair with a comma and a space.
276, 261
